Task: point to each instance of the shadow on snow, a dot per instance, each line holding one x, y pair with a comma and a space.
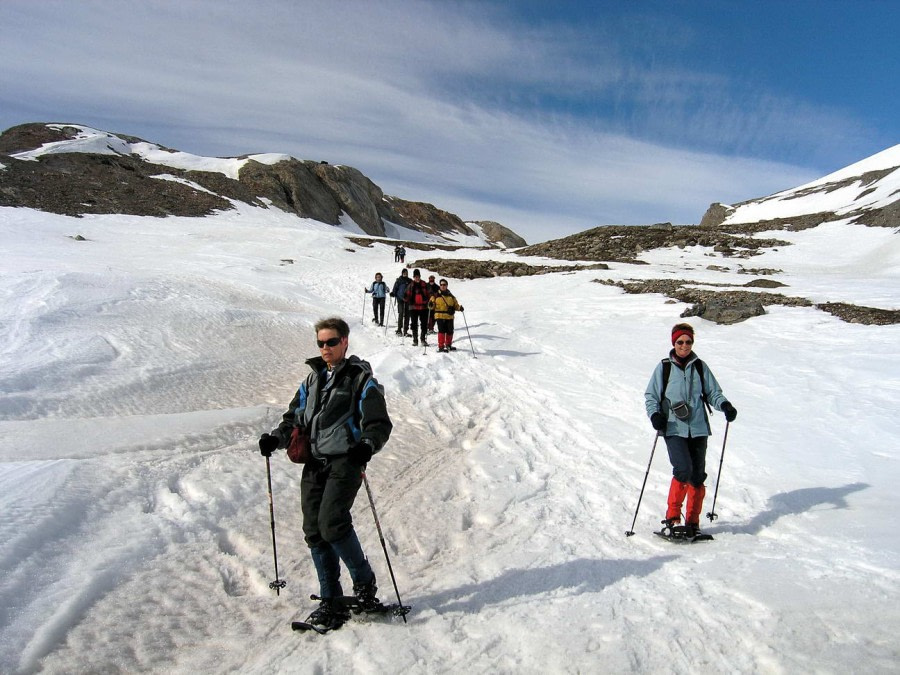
577, 576
800, 501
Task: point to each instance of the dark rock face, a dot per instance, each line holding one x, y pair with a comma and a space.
425, 217
715, 215
79, 183
482, 269
726, 310
497, 233
32, 136
292, 186
623, 243
74, 184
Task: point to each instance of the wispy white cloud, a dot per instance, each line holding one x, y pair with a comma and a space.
550, 128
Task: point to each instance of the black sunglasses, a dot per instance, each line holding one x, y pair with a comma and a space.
331, 342
685, 342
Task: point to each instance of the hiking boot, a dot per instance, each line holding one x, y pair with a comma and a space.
451, 348
692, 530
669, 525
329, 614
366, 595
398, 332
415, 343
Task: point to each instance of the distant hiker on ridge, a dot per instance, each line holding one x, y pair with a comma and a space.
417, 303
398, 292
443, 306
433, 288
676, 409
379, 292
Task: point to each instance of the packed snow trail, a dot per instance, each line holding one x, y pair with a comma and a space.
135, 522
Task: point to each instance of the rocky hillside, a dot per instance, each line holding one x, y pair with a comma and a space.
75, 170
865, 193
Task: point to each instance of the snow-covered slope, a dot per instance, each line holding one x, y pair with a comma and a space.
339, 195
139, 367
868, 185
97, 142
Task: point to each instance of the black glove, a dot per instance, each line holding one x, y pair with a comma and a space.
360, 453
658, 421
461, 309
730, 412
267, 444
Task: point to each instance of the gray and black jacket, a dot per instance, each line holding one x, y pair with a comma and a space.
338, 413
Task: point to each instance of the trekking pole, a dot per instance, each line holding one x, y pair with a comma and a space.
362, 319
390, 308
278, 584
469, 334
425, 339
383, 545
630, 532
712, 515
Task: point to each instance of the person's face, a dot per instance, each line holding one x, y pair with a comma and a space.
443, 286
683, 346
331, 353
377, 277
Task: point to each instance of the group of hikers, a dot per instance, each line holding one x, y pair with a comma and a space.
399, 253
423, 307
340, 407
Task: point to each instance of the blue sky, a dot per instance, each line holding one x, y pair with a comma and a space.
548, 117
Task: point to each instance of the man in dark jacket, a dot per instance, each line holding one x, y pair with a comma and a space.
398, 292
342, 407
417, 296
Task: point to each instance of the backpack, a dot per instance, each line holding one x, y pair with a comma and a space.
698, 365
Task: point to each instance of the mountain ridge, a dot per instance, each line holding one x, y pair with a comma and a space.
73, 169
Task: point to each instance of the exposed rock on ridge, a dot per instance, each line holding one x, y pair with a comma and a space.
76, 183
623, 243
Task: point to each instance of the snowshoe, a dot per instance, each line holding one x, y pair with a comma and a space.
330, 615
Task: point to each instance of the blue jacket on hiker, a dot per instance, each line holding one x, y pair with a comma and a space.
683, 385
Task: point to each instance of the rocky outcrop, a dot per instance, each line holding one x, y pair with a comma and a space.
74, 184
424, 217
500, 234
623, 243
733, 306
485, 269
715, 215
117, 181
293, 186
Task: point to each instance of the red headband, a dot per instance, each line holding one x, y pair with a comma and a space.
678, 333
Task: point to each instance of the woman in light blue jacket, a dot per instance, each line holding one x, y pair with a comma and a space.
679, 389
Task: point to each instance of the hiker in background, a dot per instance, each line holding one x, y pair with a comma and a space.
397, 253
676, 410
417, 304
433, 288
379, 292
443, 306
402, 252
398, 292
342, 406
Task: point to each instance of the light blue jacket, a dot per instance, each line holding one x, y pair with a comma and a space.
684, 385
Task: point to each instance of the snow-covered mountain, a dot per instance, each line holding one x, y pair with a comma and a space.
866, 192
141, 357
75, 170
